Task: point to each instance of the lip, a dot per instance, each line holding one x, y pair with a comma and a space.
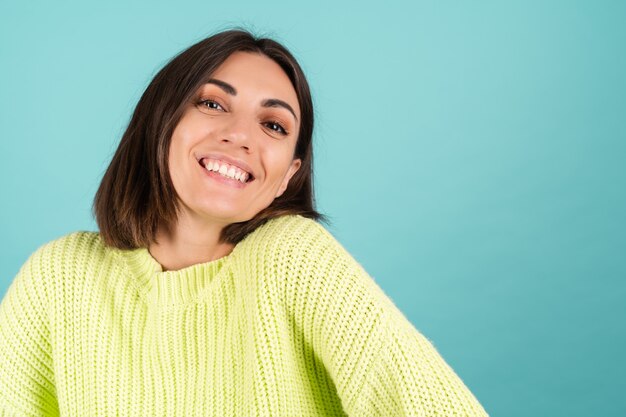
232, 161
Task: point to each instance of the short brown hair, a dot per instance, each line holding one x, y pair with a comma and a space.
136, 195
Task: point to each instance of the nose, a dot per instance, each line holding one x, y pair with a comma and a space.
238, 132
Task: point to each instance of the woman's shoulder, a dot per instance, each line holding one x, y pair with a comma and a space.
75, 243
293, 233
303, 246
293, 227
59, 261
68, 252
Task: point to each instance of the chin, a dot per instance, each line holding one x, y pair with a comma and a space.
225, 214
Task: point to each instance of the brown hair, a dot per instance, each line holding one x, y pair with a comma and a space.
136, 195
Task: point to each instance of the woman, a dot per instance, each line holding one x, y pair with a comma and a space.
211, 289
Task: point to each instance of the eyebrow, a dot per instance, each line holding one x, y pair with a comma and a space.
229, 89
268, 102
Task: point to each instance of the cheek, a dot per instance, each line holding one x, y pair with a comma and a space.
279, 157
191, 129
175, 158
184, 138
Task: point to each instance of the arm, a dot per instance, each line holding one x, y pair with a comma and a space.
409, 377
380, 364
26, 371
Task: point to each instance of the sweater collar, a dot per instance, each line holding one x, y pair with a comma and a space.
193, 283
182, 286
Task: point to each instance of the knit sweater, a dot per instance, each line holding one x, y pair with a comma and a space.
287, 324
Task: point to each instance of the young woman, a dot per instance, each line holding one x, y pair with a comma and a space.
211, 288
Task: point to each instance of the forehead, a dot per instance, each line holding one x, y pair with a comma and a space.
257, 77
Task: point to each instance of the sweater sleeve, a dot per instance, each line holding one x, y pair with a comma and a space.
408, 377
380, 363
26, 372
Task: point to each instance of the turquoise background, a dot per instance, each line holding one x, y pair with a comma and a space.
472, 156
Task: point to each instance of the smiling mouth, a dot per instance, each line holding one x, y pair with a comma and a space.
226, 170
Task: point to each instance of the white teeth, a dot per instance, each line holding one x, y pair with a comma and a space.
227, 171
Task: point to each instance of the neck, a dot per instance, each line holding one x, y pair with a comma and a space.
189, 243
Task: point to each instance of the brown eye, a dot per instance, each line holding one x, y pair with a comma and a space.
210, 105
277, 127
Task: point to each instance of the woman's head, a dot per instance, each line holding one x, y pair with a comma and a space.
230, 99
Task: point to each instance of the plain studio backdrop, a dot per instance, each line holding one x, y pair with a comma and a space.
472, 157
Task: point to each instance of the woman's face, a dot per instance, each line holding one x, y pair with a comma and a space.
232, 152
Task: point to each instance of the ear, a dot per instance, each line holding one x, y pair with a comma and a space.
293, 168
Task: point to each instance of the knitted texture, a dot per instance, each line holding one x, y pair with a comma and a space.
287, 324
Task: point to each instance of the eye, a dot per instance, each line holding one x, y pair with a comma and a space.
276, 127
209, 104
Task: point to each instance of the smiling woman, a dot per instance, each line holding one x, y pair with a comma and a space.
244, 101
234, 125
211, 288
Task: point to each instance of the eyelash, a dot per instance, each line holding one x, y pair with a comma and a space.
207, 101
281, 129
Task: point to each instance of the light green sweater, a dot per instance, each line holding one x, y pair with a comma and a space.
288, 324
